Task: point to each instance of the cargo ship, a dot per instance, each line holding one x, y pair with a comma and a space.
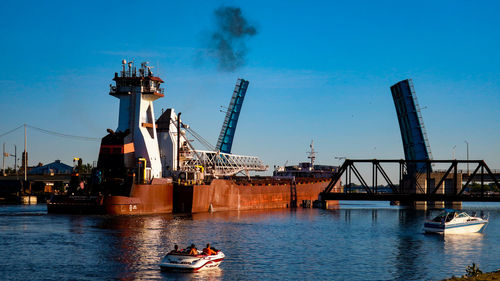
149, 166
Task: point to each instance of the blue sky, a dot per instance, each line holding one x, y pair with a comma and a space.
317, 70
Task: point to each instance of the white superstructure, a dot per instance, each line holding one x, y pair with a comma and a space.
137, 90
169, 141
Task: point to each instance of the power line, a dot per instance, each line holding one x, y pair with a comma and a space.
63, 135
52, 133
4, 134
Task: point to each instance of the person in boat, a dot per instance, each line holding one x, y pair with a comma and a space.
193, 250
450, 216
175, 250
208, 250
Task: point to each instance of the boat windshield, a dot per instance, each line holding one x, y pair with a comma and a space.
444, 216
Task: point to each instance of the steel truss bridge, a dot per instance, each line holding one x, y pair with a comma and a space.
409, 187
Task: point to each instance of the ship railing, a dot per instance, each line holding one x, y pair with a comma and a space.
151, 89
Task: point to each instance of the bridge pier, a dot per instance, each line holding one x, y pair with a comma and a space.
448, 185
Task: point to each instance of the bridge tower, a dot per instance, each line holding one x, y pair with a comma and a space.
415, 142
226, 136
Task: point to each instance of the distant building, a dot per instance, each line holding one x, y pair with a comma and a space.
53, 168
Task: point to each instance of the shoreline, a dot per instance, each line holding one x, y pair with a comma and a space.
488, 276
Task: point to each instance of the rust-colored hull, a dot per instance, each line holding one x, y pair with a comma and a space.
155, 198
220, 195
225, 195
143, 199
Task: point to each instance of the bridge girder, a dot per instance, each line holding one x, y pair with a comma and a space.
427, 192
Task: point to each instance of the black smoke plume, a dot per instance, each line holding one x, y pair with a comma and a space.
227, 42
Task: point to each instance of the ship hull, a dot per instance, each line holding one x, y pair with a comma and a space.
144, 199
79, 204
220, 195
228, 195
156, 198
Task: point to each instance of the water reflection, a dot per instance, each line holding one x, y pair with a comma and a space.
254, 215
213, 274
139, 243
374, 216
354, 243
408, 256
135, 243
458, 246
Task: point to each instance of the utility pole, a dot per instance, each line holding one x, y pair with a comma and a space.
466, 142
15, 160
25, 157
3, 160
178, 141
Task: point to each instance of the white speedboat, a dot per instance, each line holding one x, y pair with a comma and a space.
181, 261
455, 222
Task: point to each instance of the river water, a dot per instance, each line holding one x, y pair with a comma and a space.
359, 241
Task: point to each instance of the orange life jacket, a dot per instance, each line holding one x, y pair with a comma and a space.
193, 251
209, 251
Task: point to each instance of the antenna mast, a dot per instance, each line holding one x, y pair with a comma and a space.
312, 154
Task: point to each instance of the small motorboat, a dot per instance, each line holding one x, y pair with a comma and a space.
455, 222
184, 262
